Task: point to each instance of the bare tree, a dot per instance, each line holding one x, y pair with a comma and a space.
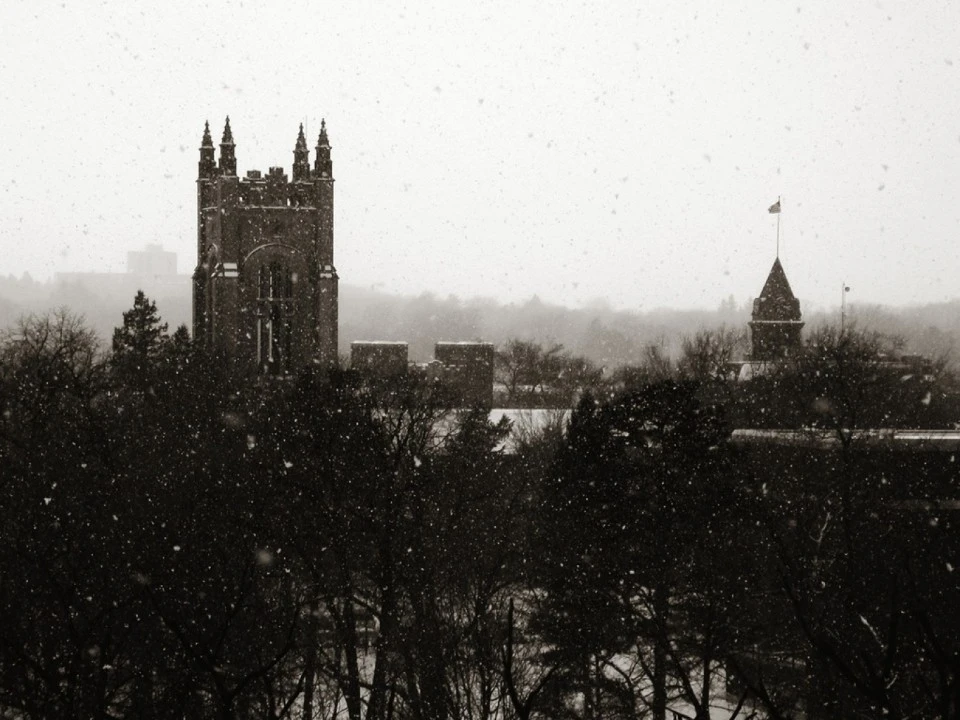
707, 354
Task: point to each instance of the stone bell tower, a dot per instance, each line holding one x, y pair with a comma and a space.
265, 286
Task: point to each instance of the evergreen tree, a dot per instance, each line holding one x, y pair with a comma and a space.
140, 340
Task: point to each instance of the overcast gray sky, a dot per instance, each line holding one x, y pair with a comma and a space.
618, 150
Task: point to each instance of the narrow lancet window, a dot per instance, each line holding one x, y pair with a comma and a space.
275, 313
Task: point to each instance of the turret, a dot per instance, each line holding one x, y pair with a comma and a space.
228, 161
776, 322
207, 167
301, 158
322, 165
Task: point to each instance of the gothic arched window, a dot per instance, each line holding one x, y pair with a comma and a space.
275, 311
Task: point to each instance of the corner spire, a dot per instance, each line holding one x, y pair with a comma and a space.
323, 140
301, 158
228, 161
227, 133
322, 165
207, 167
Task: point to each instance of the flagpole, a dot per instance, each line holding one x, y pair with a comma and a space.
775, 209
778, 225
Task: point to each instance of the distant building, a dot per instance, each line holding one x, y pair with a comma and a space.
153, 270
465, 369
152, 261
468, 369
776, 321
379, 358
265, 286
101, 297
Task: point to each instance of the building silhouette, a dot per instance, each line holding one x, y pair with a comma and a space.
468, 370
265, 284
776, 321
152, 261
379, 358
464, 368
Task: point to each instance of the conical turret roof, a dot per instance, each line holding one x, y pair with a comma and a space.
776, 302
227, 133
323, 141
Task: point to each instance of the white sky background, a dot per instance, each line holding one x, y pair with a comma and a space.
618, 150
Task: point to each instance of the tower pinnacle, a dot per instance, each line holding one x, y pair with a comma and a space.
228, 161
207, 167
301, 158
227, 133
322, 165
323, 141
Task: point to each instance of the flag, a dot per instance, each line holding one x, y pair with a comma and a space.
775, 208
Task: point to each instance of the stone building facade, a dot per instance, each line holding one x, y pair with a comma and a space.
265, 284
464, 368
379, 358
468, 371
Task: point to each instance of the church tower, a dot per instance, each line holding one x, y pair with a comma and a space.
265, 286
776, 321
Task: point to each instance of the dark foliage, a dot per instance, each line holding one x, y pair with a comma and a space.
184, 543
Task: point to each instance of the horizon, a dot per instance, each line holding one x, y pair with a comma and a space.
600, 304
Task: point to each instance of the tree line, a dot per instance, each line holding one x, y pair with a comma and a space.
181, 543
606, 336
